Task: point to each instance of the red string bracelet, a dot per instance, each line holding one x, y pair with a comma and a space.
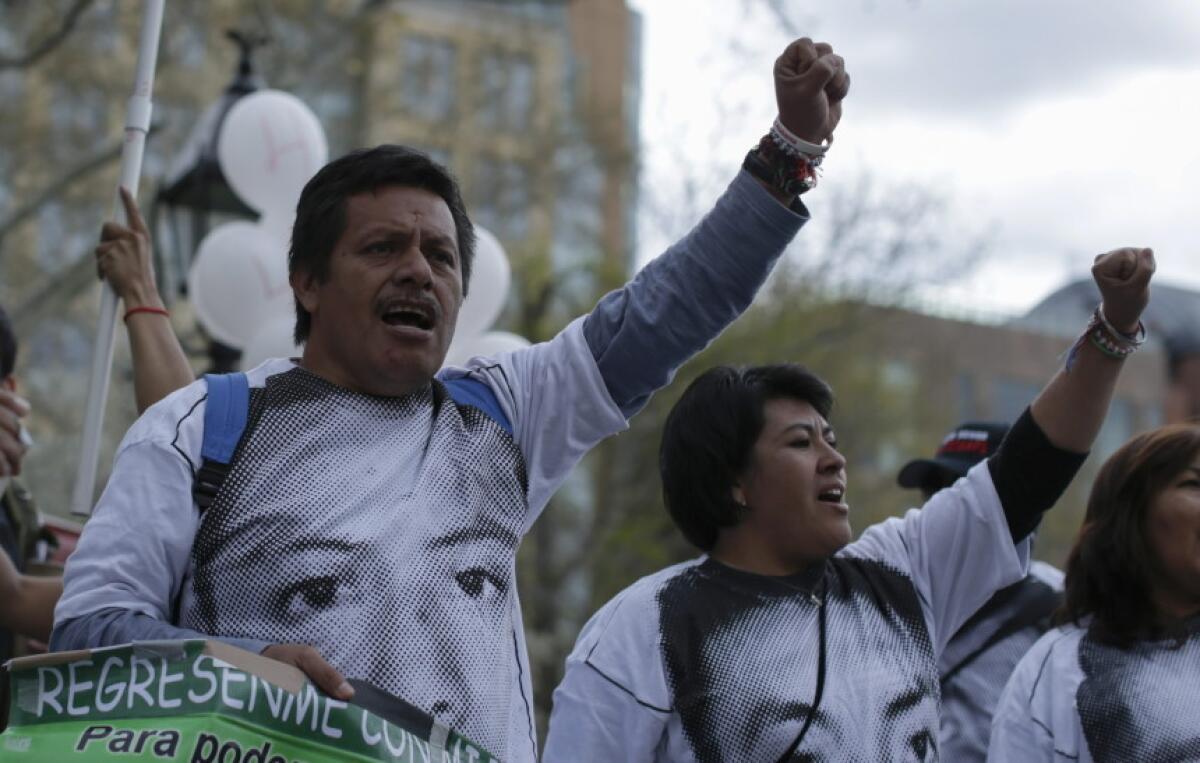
146, 309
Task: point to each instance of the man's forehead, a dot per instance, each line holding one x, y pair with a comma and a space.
400, 206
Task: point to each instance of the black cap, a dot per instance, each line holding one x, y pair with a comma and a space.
966, 446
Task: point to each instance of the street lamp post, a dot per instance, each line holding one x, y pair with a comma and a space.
195, 196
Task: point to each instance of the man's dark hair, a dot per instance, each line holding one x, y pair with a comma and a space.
709, 437
8, 346
1111, 569
321, 212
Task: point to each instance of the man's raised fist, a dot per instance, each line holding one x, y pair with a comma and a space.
810, 83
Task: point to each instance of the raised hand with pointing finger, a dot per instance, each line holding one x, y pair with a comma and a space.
124, 258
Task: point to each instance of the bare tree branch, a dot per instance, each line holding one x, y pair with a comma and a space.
46, 46
51, 297
52, 191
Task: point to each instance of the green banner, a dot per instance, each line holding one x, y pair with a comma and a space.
173, 701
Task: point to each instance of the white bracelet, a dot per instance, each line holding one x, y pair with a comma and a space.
1135, 340
798, 143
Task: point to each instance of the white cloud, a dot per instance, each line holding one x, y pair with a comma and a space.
1073, 125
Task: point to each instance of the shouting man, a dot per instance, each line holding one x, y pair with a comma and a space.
368, 522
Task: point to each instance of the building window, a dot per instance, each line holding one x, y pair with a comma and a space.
502, 198
1011, 397
506, 91
427, 87
899, 376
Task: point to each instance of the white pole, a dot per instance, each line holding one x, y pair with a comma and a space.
137, 124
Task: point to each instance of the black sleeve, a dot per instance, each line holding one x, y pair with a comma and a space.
1030, 474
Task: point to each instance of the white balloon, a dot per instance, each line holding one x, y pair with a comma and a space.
489, 345
488, 290
273, 340
238, 270
270, 145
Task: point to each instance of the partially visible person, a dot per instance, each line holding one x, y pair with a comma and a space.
982, 654
18, 512
160, 366
28, 607
786, 641
1120, 679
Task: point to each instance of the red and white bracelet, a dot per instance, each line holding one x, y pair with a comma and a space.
794, 144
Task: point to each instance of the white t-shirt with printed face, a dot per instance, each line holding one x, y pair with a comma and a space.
382, 531
1076, 698
702, 662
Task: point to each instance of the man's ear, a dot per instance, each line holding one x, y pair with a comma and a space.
305, 287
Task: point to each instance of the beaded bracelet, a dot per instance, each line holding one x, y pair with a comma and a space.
1106, 338
1136, 339
791, 173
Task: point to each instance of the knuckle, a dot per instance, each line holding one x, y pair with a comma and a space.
825, 65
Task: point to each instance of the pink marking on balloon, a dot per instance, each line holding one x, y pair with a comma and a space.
274, 152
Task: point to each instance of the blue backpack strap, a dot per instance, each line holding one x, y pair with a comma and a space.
465, 390
225, 415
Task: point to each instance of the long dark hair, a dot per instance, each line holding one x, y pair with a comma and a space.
1110, 569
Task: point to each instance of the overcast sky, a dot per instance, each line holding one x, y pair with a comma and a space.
1065, 127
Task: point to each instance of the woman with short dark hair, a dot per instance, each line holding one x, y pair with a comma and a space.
1119, 681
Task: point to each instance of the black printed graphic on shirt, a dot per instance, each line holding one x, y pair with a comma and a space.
1140, 703
381, 531
741, 655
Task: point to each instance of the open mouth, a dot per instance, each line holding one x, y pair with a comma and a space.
833, 495
410, 316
